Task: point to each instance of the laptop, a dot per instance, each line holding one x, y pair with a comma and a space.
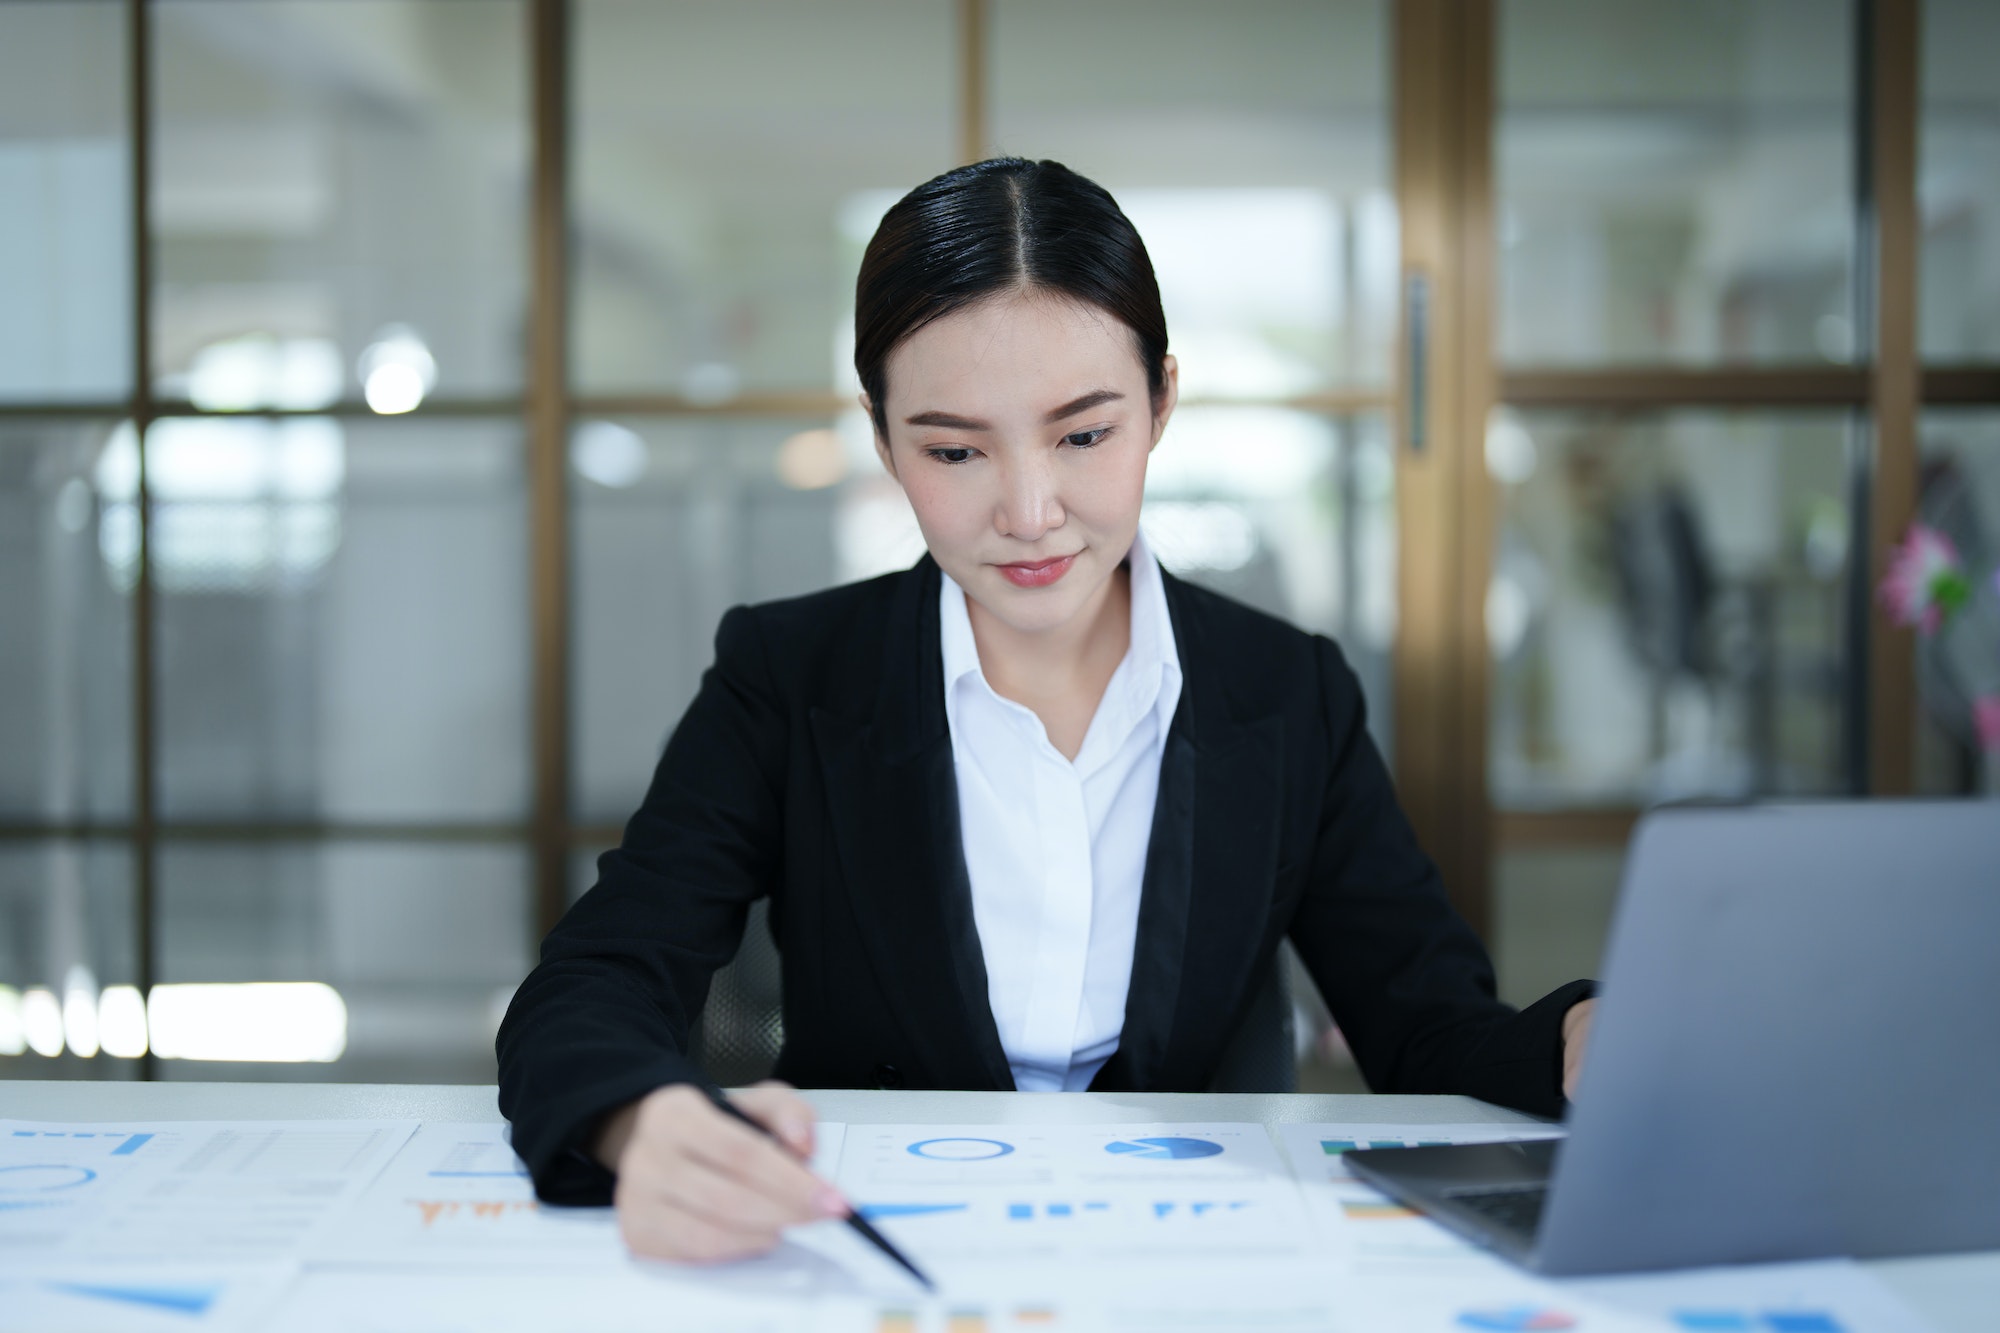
1796, 1054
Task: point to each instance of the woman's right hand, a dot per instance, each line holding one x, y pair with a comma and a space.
695, 1185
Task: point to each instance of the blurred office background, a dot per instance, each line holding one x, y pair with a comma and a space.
394, 393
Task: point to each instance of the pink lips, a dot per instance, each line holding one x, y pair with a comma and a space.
1037, 573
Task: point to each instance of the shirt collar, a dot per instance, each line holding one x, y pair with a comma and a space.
1152, 627
1152, 658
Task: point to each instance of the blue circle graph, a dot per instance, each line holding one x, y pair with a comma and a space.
35, 1178
960, 1150
1163, 1149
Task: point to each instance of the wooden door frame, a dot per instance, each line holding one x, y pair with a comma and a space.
1445, 384
1445, 107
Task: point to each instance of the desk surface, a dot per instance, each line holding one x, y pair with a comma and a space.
1959, 1293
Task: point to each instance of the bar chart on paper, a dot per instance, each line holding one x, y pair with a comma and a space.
1820, 1296
1319, 1151
457, 1193
366, 1227
1180, 1305
54, 1179
1370, 1232
211, 1192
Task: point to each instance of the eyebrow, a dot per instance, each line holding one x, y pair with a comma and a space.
1092, 399
952, 421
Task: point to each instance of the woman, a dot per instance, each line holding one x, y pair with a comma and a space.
1033, 813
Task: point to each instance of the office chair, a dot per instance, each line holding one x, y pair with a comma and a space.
737, 1037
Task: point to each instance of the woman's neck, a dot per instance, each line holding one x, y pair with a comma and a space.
1059, 674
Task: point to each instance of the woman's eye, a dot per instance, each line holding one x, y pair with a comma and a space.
1083, 439
950, 455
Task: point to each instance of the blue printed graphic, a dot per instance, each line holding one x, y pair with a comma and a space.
39, 1178
960, 1150
871, 1211
1162, 1149
181, 1300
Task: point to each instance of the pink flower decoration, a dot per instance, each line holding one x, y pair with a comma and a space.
1986, 717
1925, 583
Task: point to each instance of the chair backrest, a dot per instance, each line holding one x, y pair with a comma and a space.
737, 1037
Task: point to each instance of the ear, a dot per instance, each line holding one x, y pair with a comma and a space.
1170, 394
881, 442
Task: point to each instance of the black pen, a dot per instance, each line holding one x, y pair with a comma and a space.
853, 1219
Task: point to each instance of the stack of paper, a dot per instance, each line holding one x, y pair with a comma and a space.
388, 1226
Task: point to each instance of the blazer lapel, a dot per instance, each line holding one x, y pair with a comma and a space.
892, 792
1160, 948
1210, 864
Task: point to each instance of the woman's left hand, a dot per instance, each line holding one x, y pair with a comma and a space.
1576, 1036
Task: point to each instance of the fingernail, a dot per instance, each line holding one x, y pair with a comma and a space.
829, 1202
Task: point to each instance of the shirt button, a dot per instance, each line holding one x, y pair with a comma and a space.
888, 1076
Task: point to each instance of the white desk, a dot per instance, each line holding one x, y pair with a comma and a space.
1959, 1294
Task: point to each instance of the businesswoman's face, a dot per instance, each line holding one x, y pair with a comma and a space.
1019, 428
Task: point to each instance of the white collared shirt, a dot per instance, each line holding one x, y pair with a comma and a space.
1056, 850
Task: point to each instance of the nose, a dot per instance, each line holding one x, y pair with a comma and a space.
1028, 504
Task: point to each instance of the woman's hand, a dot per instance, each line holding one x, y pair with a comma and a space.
1576, 1036
694, 1184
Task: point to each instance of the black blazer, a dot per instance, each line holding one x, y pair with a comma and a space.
815, 766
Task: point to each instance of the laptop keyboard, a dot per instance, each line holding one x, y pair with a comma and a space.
1515, 1208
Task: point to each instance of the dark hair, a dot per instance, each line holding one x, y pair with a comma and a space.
1002, 224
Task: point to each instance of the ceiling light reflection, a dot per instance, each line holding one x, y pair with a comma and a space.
13, 1036
259, 370
608, 454
42, 1022
121, 1022
396, 370
276, 1021
80, 1012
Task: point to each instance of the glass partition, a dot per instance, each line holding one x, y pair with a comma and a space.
1666, 611
343, 618
1673, 182
69, 955
65, 203
1259, 176
730, 160
397, 958
674, 521
1293, 513
65, 620
1552, 915
1958, 183
339, 200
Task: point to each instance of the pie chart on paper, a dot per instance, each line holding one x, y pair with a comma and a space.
1518, 1319
1164, 1149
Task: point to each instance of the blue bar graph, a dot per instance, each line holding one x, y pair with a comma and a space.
1023, 1212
